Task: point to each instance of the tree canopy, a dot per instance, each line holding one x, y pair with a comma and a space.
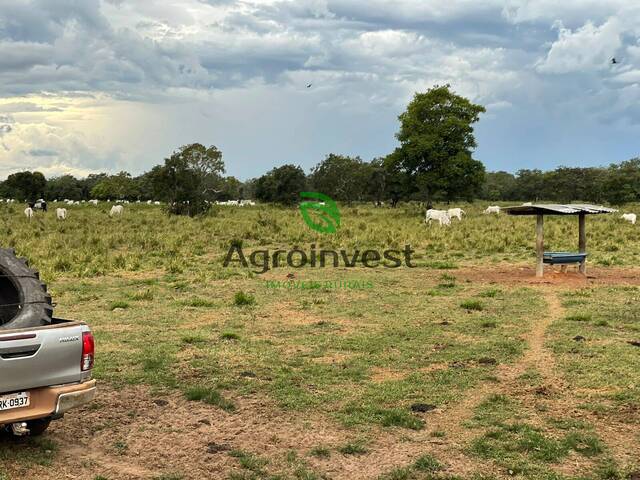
25, 186
281, 185
187, 177
436, 143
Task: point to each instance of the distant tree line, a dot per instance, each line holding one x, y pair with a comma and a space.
615, 184
432, 163
344, 178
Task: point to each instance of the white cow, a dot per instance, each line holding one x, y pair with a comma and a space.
93, 201
61, 213
456, 212
629, 217
492, 209
440, 215
28, 212
116, 210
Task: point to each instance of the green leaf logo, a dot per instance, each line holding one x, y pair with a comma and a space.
324, 209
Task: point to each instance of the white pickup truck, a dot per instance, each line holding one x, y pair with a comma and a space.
44, 372
45, 362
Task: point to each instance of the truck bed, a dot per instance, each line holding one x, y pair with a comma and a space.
42, 356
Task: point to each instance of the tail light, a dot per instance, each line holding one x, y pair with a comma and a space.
88, 351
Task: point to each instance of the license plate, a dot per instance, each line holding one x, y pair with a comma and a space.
14, 400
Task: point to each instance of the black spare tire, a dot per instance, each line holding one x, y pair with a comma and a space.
24, 301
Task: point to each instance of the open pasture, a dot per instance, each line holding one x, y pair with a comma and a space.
90, 243
426, 372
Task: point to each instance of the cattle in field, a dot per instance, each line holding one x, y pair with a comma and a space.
116, 210
629, 217
440, 215
492, 209
456, 212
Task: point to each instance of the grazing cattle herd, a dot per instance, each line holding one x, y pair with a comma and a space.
443, 217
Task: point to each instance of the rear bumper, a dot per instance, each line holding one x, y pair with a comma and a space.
51, 402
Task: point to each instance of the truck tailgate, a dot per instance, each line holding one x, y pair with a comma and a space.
39, 357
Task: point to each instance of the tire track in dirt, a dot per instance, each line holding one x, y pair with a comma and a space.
452, 420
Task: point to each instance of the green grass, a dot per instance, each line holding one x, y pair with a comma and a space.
28, 451
472, 305
243, 299
167, 314
118, 304
609, 318
229, 336
425, 467
353, 448
146, 239
511, 441
320, 452
210, 396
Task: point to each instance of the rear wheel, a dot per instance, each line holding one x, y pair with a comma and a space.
24, 301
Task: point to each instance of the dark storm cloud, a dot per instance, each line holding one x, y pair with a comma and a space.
543, 66
41, 153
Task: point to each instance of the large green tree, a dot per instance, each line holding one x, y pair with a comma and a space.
25, 186
499, 186
187, 178
623, 182
341, 177
281, 185
436, 144
117, 187
64, 187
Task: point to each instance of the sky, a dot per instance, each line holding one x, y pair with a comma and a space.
88, 86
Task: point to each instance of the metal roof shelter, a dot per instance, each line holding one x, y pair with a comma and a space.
540, 210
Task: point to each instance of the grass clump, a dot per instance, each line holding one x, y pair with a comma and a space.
197, 302
210, 396
230, 336
249, 461
242, 299
118, 304
146, 295
353, 448
320, 452
472, 305
427, 463
399, 418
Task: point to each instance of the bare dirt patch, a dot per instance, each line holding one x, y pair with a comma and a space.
525, 274
133, 434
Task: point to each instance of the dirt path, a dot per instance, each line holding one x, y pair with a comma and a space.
452, 420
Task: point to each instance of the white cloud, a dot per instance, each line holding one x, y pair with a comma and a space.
586, 48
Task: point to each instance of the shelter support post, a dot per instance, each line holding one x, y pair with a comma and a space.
540, 245
582, 242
